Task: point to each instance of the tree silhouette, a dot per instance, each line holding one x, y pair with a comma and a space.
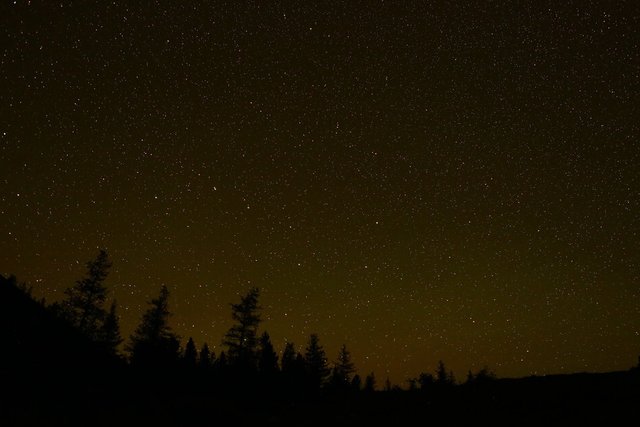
370, 383
343, 369
288, 358
153, 343
267, 357
220, 364
110, 336
316, 362
190, 354
293, 368
356, 383
205, 358
483, 376
84, 305
444, 378
426, 381
241, 339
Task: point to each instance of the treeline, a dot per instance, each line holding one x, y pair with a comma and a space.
249, 359
67, 364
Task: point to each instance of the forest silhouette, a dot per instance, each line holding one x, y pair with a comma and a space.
67, 364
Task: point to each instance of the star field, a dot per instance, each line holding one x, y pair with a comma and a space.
419, 181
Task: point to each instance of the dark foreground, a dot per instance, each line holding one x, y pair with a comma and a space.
53, 376
604, 399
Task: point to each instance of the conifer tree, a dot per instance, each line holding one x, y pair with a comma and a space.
356, 383
370, 383
316, 362
190, 354
84, 305
110, 336
343, 368
221, 363
241, 339
288, 358
153, 343
444, 378
267, 358
205, 358
293, 368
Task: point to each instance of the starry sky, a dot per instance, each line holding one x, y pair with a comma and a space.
419, 180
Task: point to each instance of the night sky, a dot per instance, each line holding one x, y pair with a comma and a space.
419, 180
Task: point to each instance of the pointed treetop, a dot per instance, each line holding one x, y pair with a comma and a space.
190, 354
241, 339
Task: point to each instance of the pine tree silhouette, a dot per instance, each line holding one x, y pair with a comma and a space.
293, 368
84, 305
483, 376
288, 358
356, 383
190, 354
110, 336
442, 377
206, 358
316, 362
220, 364
241, 339
343, 369
370, 383
267, 357
153, 344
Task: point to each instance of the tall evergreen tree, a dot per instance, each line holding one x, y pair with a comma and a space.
84, 305
343, 368
205, 358
190, 354
153, 343
221, 363
356, 383
316, 362
293, 368
370, 383
241, 339
267, 358
288, 358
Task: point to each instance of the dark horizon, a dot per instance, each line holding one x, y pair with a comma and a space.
34, 327
421, 182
